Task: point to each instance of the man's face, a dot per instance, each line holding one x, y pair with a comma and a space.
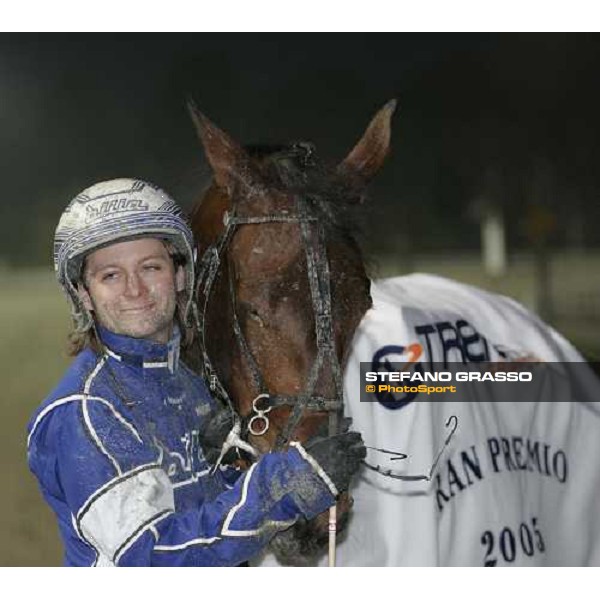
132, 288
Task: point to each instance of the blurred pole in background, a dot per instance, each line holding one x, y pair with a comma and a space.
487, 210
541, 223
493, 241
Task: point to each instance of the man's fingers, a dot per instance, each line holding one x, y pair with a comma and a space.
345, 424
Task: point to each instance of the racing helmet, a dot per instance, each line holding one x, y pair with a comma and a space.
115, 211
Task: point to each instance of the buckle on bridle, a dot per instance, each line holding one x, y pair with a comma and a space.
324, 331
259, 420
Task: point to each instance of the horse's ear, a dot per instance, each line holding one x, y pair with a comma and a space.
368, 155
229, 161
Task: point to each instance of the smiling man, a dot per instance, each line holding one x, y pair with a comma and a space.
119, 447
130, 288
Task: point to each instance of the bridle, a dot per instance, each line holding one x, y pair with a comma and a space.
313, 237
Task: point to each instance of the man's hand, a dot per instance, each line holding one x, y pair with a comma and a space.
214, 432
339, 456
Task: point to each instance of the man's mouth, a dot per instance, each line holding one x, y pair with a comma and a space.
136, 309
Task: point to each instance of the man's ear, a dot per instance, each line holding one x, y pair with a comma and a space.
180, 279
84, 296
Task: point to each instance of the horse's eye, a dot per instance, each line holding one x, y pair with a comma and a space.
252, 313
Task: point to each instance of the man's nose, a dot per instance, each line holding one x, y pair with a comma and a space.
135, 285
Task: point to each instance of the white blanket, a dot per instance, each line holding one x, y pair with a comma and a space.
519, 482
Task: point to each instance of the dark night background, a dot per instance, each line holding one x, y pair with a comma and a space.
485, 123
505, 118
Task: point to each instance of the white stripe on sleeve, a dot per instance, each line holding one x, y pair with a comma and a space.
126, 509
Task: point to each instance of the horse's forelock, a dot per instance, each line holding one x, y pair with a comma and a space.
295, 168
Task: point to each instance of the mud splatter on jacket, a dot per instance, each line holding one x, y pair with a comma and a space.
115, 449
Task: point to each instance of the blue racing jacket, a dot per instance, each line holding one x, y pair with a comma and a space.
115, 450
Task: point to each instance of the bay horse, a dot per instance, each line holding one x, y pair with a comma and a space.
285, 305
283, 287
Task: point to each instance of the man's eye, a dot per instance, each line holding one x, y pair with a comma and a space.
109, 276
152, 267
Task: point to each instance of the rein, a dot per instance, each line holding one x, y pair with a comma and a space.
313, 237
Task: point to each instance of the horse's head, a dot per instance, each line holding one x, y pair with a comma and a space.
283, 284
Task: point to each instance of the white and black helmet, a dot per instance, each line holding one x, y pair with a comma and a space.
111, 211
